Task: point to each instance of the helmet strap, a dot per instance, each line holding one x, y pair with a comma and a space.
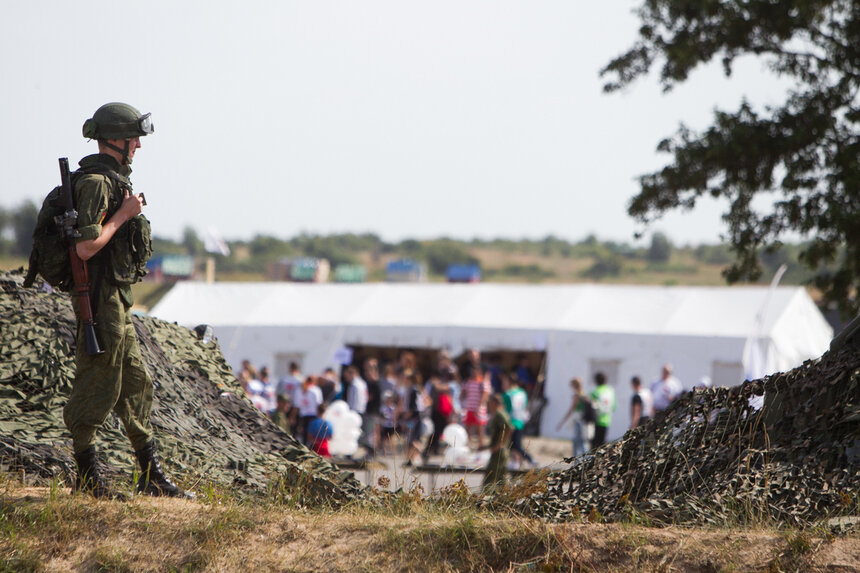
123, 151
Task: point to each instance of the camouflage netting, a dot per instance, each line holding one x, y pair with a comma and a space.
205, 427
715, 458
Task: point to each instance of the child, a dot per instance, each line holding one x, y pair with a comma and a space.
475, 396
410, 415
319, 432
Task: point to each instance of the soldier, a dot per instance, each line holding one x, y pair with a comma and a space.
115, 244
500, 430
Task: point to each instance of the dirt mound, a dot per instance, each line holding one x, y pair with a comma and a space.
206, 429
781, 450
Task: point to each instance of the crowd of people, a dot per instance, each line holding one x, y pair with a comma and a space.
591, 413
394, 400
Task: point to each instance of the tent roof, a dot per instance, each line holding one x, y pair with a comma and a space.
692, 311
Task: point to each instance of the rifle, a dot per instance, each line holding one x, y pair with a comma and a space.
68, 223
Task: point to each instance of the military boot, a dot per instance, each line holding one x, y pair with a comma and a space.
152, 479
90, 479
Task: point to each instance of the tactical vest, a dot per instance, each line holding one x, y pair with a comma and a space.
122, 261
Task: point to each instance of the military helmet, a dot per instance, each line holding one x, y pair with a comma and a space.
117, 121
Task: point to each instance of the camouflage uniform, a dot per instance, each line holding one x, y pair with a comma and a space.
499, 429
117, 379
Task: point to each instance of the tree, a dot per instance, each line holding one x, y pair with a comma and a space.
661, 248
269, 248
605, 265
192, 242
411, 247
329, 248
5, 219
441, 253
713, 254
23, 223
805, 151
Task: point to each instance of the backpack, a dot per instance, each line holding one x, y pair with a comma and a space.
444, 405
49, 257
589, 415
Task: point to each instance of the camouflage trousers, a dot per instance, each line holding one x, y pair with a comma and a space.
115, 380
497, 470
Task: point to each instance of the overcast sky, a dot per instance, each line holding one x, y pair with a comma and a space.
406, 119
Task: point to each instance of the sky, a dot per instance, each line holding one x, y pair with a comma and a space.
462, 119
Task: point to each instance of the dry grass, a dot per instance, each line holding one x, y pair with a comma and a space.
8, 263
683, 269
47, 529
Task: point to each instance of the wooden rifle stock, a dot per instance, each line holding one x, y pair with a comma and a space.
79, 266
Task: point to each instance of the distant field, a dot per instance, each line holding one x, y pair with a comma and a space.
682, 269
12, 263
499, 265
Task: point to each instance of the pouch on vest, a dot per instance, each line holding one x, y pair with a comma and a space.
128, 251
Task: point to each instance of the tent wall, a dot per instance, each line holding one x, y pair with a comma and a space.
576, 354
797, 330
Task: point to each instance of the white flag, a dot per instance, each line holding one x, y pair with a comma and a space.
214, 243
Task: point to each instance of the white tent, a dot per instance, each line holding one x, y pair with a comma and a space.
620, 330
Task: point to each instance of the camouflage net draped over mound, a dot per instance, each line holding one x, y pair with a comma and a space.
714, 458
204, 426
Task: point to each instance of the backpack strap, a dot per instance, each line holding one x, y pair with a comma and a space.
99, 258
32, 271
120, 181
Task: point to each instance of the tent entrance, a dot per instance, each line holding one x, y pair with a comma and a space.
529, 366
424, 358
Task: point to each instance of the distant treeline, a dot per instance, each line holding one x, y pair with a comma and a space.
606, 259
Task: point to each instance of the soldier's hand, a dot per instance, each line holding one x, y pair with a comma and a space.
131, 204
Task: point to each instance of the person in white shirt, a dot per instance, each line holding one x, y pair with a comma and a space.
665, 389
309, 398
356, 393
270, 391
291, 384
